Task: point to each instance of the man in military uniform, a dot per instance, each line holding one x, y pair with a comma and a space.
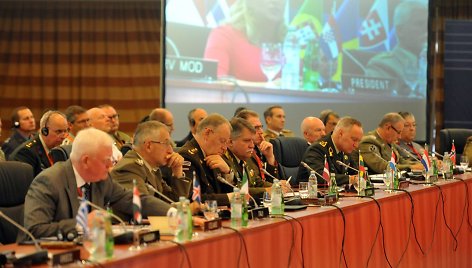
118, 136
35, 152
78, 119
408, 148
376, 147
195, 116
401, 63
239, 155
263, 151
23, 126
204, 152
151, 150
336, 146
275, 119
312, 129
330, 119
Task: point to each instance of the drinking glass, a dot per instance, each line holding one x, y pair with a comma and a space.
271, 61
267, 200
303, 190
388, 181
210, 210
464, 162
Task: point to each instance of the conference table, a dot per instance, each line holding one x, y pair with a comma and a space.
426, 226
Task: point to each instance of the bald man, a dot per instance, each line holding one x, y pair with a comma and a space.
312, 129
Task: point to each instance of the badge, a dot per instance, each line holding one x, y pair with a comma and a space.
373, 148
251, 173
345, 157
330, 150
323, 143
140, 162
192, 151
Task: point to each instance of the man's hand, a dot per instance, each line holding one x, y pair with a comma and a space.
216, 161
268, 151
175, 161
417, 166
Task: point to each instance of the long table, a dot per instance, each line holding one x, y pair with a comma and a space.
356, 232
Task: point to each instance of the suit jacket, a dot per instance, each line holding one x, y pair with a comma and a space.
32, 152
419, 149
315, 157
184, 140
273, 170
120, 138
211, 188
271, 135
132, 166
377, 153
256, 184
13, 142
51, 203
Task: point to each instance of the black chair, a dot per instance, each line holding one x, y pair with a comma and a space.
60, 153
288, 152
15, 179
459, 135
125, 148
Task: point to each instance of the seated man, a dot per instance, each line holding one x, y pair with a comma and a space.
165, 117
376, 146
23, 126
204, 153
329, 119
77, 119
275, 119
312, 129
152, 150
118, 136
263, 151
35, 152
195, 116
100, 120
338, 145
409, 149
52, 202
240, 152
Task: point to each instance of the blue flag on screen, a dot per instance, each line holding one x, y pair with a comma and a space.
329, 40
81, 217
347, 18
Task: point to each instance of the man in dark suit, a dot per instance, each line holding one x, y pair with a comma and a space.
152, 149
35, 152
51, 203
195, 116
204, 153
336, 146
23, 126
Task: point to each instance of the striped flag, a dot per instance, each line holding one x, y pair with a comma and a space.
137, 217
196, 196
244, 182
326, 176
81, 217
453, 154
361, 166
425, 160
393, 162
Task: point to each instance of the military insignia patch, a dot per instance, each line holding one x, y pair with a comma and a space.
251, 173
345, 157
372, 148
323, 143
192, 151
330, 150
140, 162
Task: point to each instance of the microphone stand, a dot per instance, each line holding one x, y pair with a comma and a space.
154, 190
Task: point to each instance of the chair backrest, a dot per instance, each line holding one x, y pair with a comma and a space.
15, 179
288, 151
459, 135
125, 148
60, 153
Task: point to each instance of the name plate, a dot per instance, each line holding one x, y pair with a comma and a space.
191, 68
330, 199
259, 213
148, 236
403, 184
66, 257
367, 84
369, 191
212, 224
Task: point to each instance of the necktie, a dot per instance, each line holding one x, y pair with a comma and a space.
86, 194
414, 150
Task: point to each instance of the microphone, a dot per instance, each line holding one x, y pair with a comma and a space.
103, 210
408, 153
272, 177
40, 256
440, 155
310, 169
222, 180
152, 189
348, 166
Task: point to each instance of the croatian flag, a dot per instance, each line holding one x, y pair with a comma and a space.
425, 160
196, 196
81, 217
326, 171
136, 205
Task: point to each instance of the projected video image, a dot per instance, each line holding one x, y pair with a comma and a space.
295, 50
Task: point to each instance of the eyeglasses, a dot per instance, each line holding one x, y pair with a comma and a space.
115, 116
167, 143
398, 132
259, 127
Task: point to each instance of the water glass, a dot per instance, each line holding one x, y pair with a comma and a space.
388, 181
210, 210
303, 190
464, 162
267, 200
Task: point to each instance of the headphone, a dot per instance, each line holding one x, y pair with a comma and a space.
46, 116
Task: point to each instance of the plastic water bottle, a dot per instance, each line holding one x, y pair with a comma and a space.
291, 68
98, 237
236, 209
278, 205
312, 185
333, 186
184, 227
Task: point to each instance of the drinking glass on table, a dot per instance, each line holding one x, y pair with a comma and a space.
303, 190
464, 162
271, 61
210, 210
388, 181
267, 200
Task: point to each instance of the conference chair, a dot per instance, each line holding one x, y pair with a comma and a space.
15, 179
288, 152
459, 135
60, 153
125, 148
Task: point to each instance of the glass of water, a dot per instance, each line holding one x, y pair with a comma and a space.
267, 200
303, 190
464, 162
211, 210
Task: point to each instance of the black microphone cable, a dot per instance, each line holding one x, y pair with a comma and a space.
467, 201
445, 221
302, 236
243, 244
409, 225
292, 244
342, 255
377, 232
184, 252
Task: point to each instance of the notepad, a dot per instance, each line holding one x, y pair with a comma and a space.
160, 223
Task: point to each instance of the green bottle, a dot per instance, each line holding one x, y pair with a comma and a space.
396, 179
110, 241
244, 211
333, 186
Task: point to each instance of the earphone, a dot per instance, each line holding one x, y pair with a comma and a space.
46, 116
